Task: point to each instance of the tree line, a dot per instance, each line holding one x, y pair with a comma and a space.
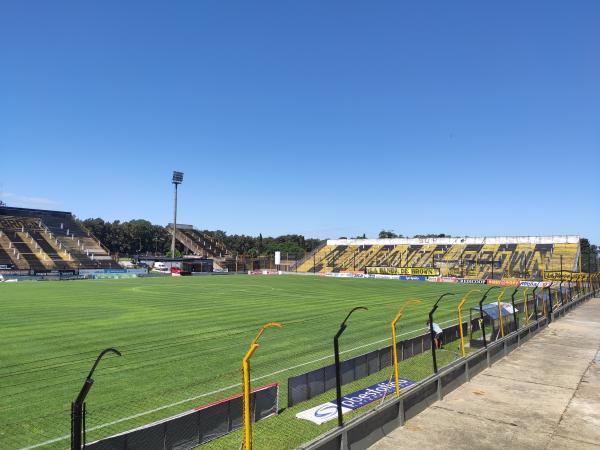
389, 234
140, 236
589, 256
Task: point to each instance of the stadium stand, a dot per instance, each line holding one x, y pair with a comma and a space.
5, 259
198, 242
40, 240
203, 244
484, 257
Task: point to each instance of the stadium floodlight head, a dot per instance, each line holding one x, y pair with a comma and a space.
177, 177
177, 180
77, 407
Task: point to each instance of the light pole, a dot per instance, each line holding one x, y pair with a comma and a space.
535, 302
550, 307
561, 281
431, 332
395, 344
515, 317
78, 406
460, 321
246, 393
177, 180
338, 376
589, 269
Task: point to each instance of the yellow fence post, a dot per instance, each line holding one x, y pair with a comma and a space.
394, 349
544, 306
500, 312
459, 313
247, 443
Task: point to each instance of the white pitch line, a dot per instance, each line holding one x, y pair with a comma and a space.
180, 402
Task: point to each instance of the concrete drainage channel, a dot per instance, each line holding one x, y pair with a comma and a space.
362, 432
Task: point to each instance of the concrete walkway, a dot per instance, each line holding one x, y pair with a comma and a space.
544, 395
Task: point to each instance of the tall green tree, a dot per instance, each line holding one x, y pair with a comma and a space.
589, 256
387, 234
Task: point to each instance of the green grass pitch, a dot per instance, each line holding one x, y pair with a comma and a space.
182, 341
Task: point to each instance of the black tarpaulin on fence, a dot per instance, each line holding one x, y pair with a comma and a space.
195, 427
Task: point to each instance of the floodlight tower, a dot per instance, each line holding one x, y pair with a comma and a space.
177, 180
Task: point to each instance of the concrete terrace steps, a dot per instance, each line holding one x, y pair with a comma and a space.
49, 240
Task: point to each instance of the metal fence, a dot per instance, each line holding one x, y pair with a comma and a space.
195, 427
310, 384
315, 382
363, 431
415, 360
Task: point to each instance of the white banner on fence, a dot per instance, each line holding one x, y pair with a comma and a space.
322, 413
277, 258
535, 284
328, 411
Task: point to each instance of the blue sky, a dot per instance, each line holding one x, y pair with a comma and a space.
327, 118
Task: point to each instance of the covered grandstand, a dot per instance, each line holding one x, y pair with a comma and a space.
473, 257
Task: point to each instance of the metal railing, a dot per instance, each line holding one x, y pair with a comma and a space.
363, 431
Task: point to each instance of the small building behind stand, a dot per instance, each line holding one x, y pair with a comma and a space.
176, 265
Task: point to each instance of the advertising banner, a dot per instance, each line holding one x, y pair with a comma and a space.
53, 273
114, 276
112, 271
469, 281
442, 279
270, 272
565, 276
416, 271
381, 276
411, 278
16, 272
328, 411
503, 282
360, 275
535, 283
90, 271
343, 274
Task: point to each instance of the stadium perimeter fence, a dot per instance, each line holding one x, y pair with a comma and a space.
359, 372
365, 429
195, 427
310, 384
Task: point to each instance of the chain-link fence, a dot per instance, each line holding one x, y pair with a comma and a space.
194, 427
368, 426
365, 353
